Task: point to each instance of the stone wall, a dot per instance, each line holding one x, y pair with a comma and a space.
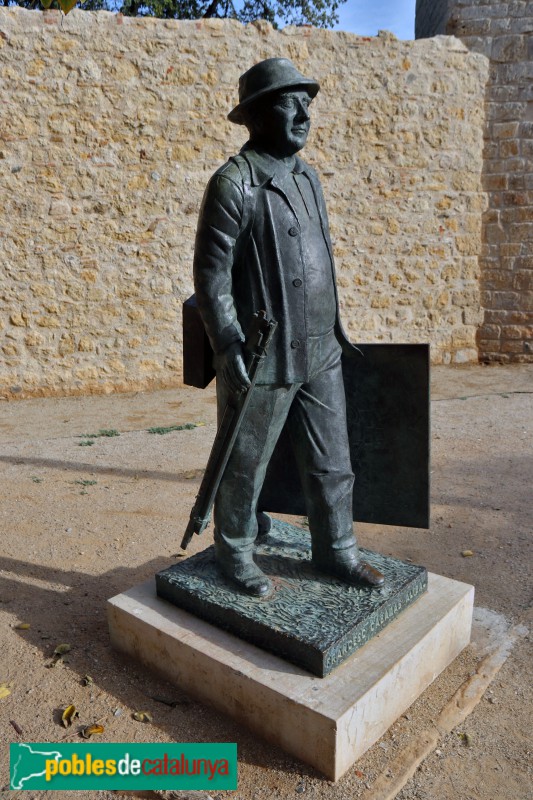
503, 32
110, 128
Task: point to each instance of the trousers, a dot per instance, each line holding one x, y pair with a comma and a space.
315, 413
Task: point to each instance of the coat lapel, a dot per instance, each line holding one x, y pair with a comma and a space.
279, 188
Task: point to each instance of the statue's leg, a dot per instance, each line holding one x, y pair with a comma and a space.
317, 426
318, 430
238, 493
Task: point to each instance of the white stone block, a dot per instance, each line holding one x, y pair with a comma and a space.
326, 722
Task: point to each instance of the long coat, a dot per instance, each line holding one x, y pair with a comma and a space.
248, 257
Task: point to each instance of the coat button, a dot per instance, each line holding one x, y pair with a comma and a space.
295, 343
297, 282
293, 231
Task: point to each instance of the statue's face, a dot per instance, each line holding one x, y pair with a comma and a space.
285, 122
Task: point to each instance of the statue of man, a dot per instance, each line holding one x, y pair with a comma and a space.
263, 244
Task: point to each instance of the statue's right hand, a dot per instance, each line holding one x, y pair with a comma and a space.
230, 366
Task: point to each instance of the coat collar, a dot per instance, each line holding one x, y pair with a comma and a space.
264, 167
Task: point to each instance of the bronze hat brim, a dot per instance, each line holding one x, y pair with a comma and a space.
310, 86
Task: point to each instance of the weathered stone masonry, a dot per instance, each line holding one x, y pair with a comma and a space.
109, 129
503, 31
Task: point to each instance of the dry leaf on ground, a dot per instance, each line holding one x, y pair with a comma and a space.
68, 715
92, 730
4, 690
142, 716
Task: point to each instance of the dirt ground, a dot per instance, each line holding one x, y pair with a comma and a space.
82, 522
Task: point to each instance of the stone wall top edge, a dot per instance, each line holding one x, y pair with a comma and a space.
112, 19
36, 19
261, 26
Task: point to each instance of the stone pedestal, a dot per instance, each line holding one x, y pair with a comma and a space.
326, 722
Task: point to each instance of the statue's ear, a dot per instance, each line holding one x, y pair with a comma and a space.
254, 119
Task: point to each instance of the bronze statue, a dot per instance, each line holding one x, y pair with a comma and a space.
263, 245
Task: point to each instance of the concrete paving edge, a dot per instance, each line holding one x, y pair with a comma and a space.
401, 769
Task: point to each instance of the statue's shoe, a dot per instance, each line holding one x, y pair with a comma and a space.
249, 578
354, 572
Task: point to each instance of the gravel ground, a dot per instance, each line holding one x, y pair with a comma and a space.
82, 523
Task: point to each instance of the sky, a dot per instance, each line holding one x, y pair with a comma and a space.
367, 17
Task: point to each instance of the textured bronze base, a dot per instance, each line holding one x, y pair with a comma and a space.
310, 619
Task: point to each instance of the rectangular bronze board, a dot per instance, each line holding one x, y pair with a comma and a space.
387, 401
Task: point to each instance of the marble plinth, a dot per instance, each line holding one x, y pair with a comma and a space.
326, 722
311, 619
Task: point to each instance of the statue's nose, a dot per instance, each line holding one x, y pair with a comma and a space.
302, 113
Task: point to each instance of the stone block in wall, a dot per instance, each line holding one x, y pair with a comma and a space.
520, 8
478, 27
491, 349
477, 44
511, 346
522, 24
470, 9
511, 48
501, 26
500, 109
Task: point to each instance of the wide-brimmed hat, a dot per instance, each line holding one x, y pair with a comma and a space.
271, 75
